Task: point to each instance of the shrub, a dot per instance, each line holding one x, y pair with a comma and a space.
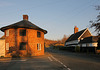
2, 56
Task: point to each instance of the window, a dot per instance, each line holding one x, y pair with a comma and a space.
22, 46
7, 46
23, 32
7, 32
38, 46
38, 34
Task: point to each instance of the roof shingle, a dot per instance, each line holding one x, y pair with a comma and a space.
75, 36
23, 24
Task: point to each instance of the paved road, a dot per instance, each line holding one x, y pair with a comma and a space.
46, 62
77, 61
52, 60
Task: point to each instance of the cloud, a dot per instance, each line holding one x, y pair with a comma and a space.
5, 4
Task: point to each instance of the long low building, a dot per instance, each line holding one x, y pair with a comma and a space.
82, 38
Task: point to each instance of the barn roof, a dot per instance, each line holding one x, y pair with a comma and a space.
23, 24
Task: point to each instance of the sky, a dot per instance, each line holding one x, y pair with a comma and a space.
58, 17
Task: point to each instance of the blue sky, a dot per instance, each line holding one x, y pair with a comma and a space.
58, 17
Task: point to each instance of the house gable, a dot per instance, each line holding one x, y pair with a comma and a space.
85, 34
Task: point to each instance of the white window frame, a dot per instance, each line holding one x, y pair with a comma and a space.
7, 32
7, 46
38, 46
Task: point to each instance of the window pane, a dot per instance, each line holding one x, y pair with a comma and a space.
7, 33
22, 46
23, 32
7, 46
38, 46
38, 34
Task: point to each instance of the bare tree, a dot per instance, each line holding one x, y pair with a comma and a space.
64, 39
96, 23
98, 43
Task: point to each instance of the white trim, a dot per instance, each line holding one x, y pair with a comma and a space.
7, 32
89, 31
38, 46
84, 32
88, 45
7, 46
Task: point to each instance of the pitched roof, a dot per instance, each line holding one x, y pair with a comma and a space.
90, 39
23, 24
75, 36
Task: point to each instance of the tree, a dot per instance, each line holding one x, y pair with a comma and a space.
96, 23
64, 39
98, 43
60, 42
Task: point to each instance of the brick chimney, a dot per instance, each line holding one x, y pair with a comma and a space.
75, 29
25, 17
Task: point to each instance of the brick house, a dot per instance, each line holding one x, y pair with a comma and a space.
23, 38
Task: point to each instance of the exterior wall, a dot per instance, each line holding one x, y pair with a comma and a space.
11, 41
92, 44
33, 40
95, 44
88, 45
14, 39
2, 47
83, 45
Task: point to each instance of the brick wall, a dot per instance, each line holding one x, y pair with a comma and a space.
14, 39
